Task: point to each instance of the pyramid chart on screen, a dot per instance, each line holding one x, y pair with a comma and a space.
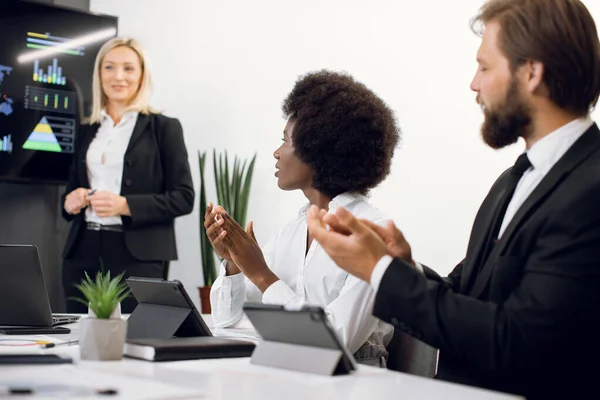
42, 138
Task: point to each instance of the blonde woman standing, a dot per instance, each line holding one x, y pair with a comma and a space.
129, 180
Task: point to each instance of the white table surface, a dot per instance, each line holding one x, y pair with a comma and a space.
234, 379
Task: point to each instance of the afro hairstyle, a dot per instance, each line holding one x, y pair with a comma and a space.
343, 131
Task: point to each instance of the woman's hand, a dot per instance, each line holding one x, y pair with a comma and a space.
76, 201
213, 222
108, 204
246, 253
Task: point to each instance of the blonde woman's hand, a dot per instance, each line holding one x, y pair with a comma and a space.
76, 201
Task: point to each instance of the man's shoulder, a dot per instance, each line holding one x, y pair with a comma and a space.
579, 189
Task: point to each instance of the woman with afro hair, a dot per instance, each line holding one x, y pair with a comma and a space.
338, 144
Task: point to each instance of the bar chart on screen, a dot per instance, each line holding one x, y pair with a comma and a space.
43, 99
6, 145
52, 74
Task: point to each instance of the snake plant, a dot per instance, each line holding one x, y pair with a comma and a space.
233, 193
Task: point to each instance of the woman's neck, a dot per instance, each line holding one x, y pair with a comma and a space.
116, 111
317, 198
320, 200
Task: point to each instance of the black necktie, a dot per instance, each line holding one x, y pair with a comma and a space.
514, 175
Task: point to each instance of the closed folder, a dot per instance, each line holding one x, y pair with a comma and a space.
187, 348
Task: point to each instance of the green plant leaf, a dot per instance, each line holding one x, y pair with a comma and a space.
103, 294
235, 188
245, 192
226, 184
206, 252
233, 191
219, 181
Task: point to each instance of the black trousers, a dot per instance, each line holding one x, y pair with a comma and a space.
97, 249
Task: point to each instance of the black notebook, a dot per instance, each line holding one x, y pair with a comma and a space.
34, 359
187, 348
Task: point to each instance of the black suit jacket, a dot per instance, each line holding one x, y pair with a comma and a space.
156, 182
527, 321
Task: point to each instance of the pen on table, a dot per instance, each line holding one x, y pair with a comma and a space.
34, 342
20, 390
4, 390
50, 345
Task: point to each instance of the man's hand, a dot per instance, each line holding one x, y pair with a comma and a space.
396, 244
352, 244
246, 253
108, 204
76, 201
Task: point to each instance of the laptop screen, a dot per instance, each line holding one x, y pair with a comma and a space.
23, 295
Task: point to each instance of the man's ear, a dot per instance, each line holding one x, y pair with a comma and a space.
534, 75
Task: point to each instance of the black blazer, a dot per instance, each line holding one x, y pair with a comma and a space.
528, 320
156, 182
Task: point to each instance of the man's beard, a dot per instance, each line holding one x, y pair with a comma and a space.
507, 121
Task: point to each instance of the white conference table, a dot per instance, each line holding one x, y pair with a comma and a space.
234, 379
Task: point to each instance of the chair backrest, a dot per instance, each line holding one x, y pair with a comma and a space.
166, 266
410, 355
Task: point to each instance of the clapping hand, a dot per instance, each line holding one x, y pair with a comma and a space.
246, 253
213, 222
351, 243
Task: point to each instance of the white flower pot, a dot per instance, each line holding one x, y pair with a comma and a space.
115, 314
102, 339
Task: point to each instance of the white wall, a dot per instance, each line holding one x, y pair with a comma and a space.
223, 68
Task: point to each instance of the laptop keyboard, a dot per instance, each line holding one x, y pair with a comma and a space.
64, 319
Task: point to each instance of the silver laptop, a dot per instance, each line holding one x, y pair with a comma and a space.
23, 295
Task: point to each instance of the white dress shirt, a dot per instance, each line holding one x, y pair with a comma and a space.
104, 159
313, 279
543, 155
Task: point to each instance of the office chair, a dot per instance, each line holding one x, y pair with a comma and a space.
167, 265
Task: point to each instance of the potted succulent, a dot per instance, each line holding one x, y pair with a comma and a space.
102, 334
233, 193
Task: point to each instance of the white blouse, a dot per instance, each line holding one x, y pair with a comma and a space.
104, 159
313, 279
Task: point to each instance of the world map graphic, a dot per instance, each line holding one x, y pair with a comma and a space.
6, 103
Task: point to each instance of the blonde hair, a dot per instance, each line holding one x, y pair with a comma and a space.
142, 98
